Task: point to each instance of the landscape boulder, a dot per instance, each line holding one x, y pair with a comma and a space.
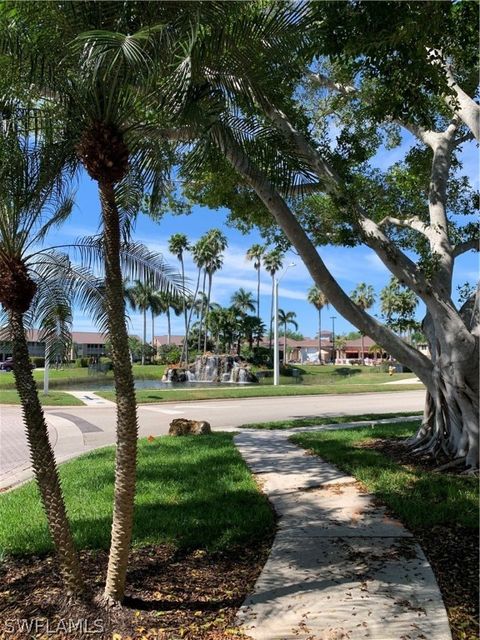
184, 427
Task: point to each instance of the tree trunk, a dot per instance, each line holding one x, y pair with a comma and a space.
453, 378
320, 335
153, 331
144, 334
210, 277
127, 427
258, 290
187, 331
184, 311
43, 459
363, 348
285, 344
200, 325
169, 327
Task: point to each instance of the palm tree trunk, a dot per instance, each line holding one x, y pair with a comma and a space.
210, 278
320, 335
169, 327
285, 344
258, 292
153, 330
127, 426
43, 459
363, 350
200, 326
144, 333
184, 310
185, 342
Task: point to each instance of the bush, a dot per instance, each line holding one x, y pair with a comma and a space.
81, 363
258, 356
169, 354
38, 362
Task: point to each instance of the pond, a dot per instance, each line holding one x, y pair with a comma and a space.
107, 385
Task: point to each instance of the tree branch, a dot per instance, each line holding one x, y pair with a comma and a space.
463, 247
312, 260
411, 223
462, 105
323, 81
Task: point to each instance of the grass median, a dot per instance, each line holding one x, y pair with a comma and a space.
317, 421
53, 398
145, 396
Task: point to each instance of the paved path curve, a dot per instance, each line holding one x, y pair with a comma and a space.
339, 568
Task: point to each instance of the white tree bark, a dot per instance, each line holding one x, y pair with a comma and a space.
451, 377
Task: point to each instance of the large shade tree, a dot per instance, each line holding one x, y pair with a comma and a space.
374, 89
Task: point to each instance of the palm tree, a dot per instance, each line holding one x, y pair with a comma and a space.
273, 262
286, 319
255, 254
139, 296
242, 300
156, 307
364, 296
217, 242
200, 255
102, 86
319, 300
25, 283
178, 244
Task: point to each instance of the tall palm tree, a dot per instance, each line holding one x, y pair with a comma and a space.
255, 254
24, 284
286, 318
273, 262
242, 300
364, 296
178, 244
156, 307
104, 85
200, 255
319, 300
139, 296
217, 242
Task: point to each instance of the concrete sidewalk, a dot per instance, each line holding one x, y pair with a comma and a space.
340, 568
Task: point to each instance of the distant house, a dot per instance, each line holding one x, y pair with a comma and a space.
304, 351
352, 351
159, 341
85, 344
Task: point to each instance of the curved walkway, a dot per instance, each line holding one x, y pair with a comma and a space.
340, 568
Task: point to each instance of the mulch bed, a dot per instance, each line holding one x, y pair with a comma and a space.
453, 551
171, 594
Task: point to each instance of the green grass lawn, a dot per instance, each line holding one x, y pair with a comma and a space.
419, 498
194, 492
169, 395
70, 376
54, 398
316, 420
347, 375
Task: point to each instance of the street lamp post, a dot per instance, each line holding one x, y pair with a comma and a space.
276, 354
333, 338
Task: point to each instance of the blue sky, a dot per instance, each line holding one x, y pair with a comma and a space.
349, 266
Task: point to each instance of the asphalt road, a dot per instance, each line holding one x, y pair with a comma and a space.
74, 430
